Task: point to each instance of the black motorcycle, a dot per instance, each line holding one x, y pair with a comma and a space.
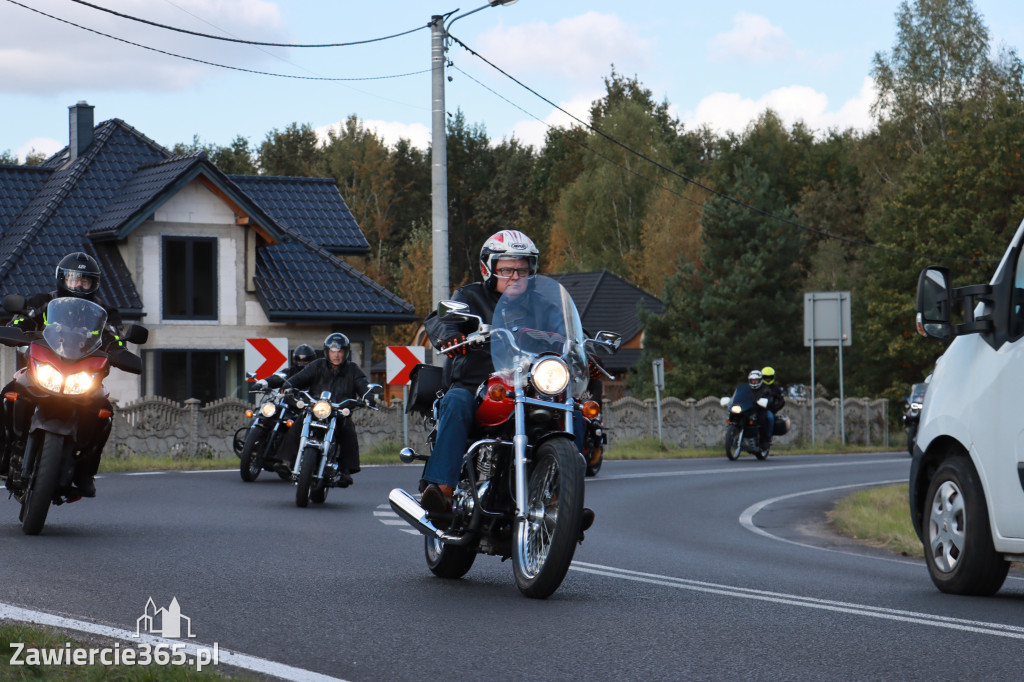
63, 383
912, 406
317, 465
743, 424
261, 438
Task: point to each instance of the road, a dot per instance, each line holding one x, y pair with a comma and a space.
694, 569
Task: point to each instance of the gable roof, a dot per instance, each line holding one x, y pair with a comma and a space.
123, 177
606, 302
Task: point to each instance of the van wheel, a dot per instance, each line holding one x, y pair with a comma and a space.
958, 539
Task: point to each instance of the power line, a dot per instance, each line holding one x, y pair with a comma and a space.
208, 63
239, 40
711, 190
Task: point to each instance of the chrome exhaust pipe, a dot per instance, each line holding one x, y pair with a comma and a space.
406, 506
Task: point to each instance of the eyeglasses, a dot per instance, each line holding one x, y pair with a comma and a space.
505, 273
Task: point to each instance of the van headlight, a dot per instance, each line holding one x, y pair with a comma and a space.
550, 376
322, 409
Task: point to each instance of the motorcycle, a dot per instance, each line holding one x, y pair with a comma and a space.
912, 414
520, 491
263, 435
594, 437
742, 430
317, 465
63, 379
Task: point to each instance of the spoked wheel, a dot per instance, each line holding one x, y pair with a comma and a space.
305, 485
42, 485
733, 442
957, 538
448, 561
545, 541
252, 463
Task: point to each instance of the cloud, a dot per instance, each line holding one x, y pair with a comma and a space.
534, 132
43, 55
726, 111
752, 38
39, 145
574, 48
389, 131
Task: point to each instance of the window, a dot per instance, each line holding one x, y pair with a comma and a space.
205, 375
189, 278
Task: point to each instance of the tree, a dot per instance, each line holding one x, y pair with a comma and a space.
238, 158
293, 152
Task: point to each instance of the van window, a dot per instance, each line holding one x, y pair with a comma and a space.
1017, 303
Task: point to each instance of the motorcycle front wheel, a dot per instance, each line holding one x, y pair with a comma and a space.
545, 541
305, 483
733, 442
448, 561
43, 484
252, 463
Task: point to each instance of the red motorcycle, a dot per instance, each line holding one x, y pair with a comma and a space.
520, 492
64, 413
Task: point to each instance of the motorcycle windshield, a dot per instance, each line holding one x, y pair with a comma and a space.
744, 397
537, 316
917, 393
74, 327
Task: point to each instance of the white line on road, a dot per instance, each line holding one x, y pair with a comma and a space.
754, 470
979, 627
228, 657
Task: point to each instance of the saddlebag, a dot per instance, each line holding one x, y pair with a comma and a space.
425, 382
781, 425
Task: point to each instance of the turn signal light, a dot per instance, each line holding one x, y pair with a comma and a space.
497, 392
248, 414
591, 409
105, 414
11, 395
289, 422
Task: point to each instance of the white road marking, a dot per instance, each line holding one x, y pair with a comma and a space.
753, 470
917, 618
9, 612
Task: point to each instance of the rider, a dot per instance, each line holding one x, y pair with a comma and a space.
507, 259
344, 379
77, 275
301, 356
766, 420
776, 401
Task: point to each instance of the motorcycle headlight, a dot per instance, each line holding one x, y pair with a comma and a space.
79, 383
916, 406
550, 376
736, 409
268, 409
322, 409
49, 378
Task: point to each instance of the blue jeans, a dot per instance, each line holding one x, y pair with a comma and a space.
455, 420
767, 427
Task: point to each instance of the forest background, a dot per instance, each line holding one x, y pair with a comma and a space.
728, 230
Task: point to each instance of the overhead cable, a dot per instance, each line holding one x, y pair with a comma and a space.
239, 40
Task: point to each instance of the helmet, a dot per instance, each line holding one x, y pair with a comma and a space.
754, 379
337, 341
303, 355
769, 375
506, 244
78, 274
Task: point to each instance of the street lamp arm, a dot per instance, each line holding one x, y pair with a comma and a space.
491, 3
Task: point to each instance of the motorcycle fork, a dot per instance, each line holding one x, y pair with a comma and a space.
519, 445
325, 448
302, 444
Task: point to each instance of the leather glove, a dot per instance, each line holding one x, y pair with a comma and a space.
455, 340
260, 385
595, 371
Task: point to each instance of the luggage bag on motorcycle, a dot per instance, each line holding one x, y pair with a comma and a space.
425, 382
781, 425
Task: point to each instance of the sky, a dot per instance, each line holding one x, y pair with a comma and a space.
718, 64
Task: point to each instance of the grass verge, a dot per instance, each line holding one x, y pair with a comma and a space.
879, 517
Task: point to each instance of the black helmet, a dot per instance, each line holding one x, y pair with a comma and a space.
303, 355
78, 274
337, 341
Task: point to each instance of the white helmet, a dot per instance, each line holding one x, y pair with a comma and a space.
505, 245
754, 379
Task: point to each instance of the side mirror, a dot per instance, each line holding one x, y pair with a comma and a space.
136, 333
724, 402
14, 303
447, 309
933, 303
607, 341
373, 389
126, 360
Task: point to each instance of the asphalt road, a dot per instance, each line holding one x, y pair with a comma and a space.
694, 569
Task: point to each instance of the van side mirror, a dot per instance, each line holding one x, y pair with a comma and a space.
934, 319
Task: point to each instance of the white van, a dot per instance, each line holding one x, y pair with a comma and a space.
967, 472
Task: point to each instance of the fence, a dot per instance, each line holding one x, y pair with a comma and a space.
157, 426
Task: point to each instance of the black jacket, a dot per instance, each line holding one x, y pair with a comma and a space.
471, 369
775, 400
346, 381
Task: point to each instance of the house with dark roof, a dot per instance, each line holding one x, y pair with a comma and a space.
606, 302
204, 260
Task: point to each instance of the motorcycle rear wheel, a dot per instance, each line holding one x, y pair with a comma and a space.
545, 541
40, 492
733, 442
305, 483
595, 460
252, 463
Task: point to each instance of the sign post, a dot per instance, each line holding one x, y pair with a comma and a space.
827, 323
659, 385
400, 361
